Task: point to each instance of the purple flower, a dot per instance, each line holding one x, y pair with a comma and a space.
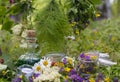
100, 76
65, 80
87, 58
97, 80
30, 79
17, 80
76, 78
82, 55
115, 79
61, 70
65, 61
90, 69
72, 72
35, 75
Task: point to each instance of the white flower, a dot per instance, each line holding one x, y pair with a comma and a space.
23, 45
52, 75
37, 68
45, 62
70, 37
24, 34
17, 29
2, 67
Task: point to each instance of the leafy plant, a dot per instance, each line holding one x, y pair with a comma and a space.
14, 8
80, 11
99, 36
51, 27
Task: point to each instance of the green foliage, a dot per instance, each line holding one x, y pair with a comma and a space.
101, 36
80, 11
110, 71
96, 2
7, 24
9, 45
115, 8
22, 7
7, 75
4, 17
51, 27
3, 80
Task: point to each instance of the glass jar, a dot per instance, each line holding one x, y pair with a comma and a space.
88, 63
30, 57
25, 70
55, 57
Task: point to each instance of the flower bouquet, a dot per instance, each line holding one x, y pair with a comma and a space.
43, 71
88, 63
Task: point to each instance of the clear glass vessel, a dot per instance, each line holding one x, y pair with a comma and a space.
88, 63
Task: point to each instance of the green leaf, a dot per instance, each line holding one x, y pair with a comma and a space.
7, 24
14, 9
96, 2
2, 10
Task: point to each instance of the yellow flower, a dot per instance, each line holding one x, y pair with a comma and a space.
77, 32
107, 79
73, 24
92, 44
66, 77
3, 72
37, 68
67, 69
16, 46
93, 57
70, 60
106, 49
61, 64
113, 39
45, 63
81, 66
91, 80
33, 77
97, 14
20, 76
